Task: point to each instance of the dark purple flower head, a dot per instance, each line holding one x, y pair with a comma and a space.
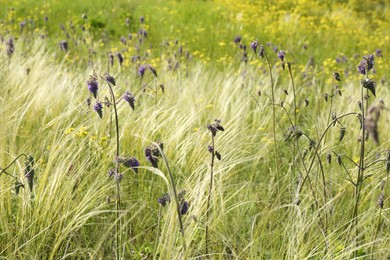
337, 76
93, 85
10, 47
237, 39
142, 19
111, 59
254, 45
123, 40
262, 52
22, 24
153, 70
366, 64
46, 19
141, 70
98, 107
276, 49
143, 33
109, 79
132, 163
120, 58
378, 53
129, 99
63, 45
152, 153
281, 55
184, 207
164, 199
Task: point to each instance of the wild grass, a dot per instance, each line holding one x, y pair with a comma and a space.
307, 212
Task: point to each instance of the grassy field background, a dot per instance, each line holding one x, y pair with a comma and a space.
287, 185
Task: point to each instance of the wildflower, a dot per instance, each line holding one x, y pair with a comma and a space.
281, 55
237, 39
262, 52
63, 45
164, 199
369, 84
141, 71
184, 207
153, 70
366, 64
135, 58
10, 47
152, 153
123, 40
93, 85
129, 99
215, 127
378, 53
143, 33
111, 59
142, 19
254, 45
109, 79
120, 58
337, 76
132, 163
98, 107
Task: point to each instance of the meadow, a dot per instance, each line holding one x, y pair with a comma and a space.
223, 129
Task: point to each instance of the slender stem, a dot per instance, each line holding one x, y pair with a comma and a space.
176, 198
360, 179
118, 199
210, 190
273, 121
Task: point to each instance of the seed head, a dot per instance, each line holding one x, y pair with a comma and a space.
337, 76
369, 84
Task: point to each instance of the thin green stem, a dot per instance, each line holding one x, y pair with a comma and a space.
273, 121
210, 190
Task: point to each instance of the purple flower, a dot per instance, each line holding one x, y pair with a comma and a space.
10, 47
184, 207
63, 45
129, 98
120, 58
98, 107
123, 40
143, 33
164, 200
111, 59
132, 163
262, 52
141, 70
281, 55
366, 64
254, 45
93, 85
237, 39
142, 19
378, 53
153, 70
110, 79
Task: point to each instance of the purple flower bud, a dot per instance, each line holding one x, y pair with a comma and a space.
378, 53
111, 59
281, 55
22, 24
132, 163
120, 58
153, 70
10, 47
93, 85
64, 45
262, 52
237, 39
254, 45
366, 64
184, 207
98, 107
141, 70
123, 40
110, 79
129, 98
142, 19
